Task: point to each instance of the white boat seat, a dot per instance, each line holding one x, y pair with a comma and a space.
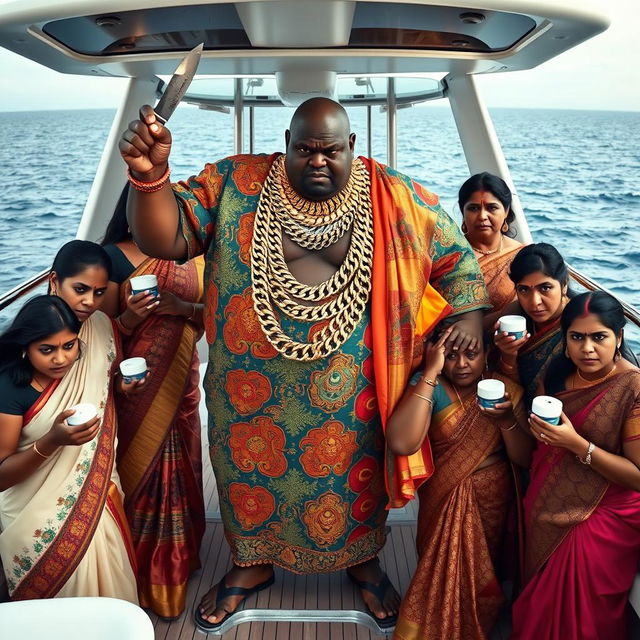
74, 619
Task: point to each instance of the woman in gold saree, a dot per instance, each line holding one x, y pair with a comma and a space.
63, 527
159, 451
464, 507
582, 507
485, 201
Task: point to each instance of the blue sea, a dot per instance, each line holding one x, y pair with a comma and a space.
577, 174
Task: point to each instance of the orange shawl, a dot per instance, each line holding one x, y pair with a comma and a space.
404, 306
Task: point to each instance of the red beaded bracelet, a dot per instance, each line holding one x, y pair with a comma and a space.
149, 187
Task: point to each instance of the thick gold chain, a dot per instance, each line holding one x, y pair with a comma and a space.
322, 212
315, 237
342, 299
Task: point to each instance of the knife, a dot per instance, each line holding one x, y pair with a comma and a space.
178, 85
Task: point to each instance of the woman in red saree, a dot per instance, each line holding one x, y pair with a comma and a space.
464, 507
159, 450
485, 201
582, 508
63, 528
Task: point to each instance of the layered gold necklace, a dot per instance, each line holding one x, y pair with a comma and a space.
341, 300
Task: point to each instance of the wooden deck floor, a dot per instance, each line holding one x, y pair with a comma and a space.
322, 591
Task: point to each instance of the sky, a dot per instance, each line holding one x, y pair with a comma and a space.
601, 73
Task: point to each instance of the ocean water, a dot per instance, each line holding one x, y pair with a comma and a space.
577, 174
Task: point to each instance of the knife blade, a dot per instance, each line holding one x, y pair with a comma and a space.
178, 85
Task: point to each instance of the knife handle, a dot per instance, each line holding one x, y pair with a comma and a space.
160, 119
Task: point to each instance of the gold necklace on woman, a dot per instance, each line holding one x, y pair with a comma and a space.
341, 300
491, 251
591, 382
41, 386
457, 394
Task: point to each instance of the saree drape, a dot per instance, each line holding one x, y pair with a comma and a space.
582, 532
495, 269
63, 530
409, 296
462, 524
159, 455
535, 356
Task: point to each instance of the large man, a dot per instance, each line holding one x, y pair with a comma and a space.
324, 272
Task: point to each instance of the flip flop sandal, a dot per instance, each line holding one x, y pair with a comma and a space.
225, 592
379, 591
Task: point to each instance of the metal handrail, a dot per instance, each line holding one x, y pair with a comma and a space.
629, 310
22, 289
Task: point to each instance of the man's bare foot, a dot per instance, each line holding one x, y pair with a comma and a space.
245, 577
370, 571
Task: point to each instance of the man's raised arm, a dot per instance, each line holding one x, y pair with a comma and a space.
152, 210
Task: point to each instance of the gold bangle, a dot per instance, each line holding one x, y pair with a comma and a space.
429, 400
513, 426
39, 452
429, 381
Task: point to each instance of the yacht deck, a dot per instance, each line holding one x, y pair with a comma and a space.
331, 596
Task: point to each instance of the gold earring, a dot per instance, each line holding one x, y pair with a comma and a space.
463, 227
505, 227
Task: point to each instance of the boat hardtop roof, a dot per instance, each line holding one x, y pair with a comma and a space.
270, 38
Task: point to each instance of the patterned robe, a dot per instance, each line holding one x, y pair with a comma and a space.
297, 447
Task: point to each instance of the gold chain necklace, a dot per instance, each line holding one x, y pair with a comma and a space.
491, 251
312, 213
591, 382
342, 299
36, 381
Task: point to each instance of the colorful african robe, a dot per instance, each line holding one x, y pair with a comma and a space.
297, 447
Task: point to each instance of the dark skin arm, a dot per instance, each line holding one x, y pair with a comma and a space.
17, 466
153, 217
409, 423
517, 441
138, 306
509, 347
466, 330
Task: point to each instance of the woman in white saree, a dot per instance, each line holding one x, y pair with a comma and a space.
64, 532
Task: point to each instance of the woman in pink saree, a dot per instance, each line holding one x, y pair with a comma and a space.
582, 508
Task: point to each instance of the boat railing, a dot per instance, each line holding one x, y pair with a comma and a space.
13, 295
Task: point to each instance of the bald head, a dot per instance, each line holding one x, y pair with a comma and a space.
319, 149
321, 112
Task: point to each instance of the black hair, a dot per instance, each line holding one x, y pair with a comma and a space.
541, 257
118, 227
40, 317
486, 181
610, 313
76, 256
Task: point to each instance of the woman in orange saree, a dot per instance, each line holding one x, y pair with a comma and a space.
159, 450
464, 507
582, 508
485, 202
64, 533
